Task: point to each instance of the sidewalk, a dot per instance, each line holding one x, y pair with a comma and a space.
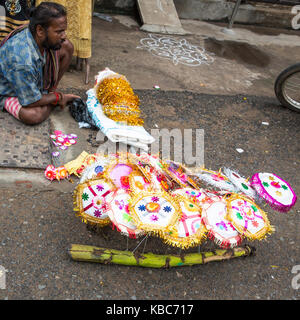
228, 98
246, 63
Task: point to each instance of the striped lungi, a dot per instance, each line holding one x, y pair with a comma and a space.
12, 106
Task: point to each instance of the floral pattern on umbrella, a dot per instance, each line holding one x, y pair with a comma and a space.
92, 201
247, 218
155, 212
274, 190
121, 216
220, 228
189, 230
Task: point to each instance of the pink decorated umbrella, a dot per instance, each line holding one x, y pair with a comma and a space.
274, 190
119, 173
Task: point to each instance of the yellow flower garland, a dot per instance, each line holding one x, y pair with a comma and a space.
119, 101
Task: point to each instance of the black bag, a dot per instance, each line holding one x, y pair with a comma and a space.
80, 113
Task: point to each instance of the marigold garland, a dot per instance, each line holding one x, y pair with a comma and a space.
119, 101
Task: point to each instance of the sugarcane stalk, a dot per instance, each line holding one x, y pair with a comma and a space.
110, 256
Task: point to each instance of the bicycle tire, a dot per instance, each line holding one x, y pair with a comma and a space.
280, 87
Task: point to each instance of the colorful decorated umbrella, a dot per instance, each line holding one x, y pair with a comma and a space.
118, 172
276, 192
138, 182
216, 179
120, 215
92, 201
242, 184
151, 169
221, 231
247, 218
179, 174
152, 160
194, 195
156, 212
189, 230
96, 169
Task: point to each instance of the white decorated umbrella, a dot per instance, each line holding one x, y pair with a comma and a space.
216, 179
92, 201
241, 183
95, 170
138, 182
189, 230
221, 230
155, 212
195, 195
247, 218
274, 190
120, 215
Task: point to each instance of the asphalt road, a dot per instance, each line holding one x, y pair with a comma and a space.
37, 227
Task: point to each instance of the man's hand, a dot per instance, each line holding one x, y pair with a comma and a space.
66, 98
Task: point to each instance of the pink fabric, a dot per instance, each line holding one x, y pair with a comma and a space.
13, 106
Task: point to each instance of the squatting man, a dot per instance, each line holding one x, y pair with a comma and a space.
33, 59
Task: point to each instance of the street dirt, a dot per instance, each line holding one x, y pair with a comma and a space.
229, 99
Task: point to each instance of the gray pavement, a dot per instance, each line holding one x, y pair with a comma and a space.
229, 99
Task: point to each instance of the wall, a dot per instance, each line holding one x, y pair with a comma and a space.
116, 6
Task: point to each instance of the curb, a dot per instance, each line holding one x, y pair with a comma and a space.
32, 180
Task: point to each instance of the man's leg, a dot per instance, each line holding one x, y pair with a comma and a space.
36, 115
30, 116
65, 58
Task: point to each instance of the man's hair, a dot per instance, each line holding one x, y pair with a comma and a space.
44, 13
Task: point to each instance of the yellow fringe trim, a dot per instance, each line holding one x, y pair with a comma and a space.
148, 227
78, 208
261, 234
75, 164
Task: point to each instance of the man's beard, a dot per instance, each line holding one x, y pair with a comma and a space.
46, 44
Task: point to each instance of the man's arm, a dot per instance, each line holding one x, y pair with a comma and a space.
52, 98
24, 80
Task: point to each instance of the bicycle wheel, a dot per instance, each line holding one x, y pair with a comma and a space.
287, 87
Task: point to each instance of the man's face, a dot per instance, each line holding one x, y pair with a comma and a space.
55, 34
